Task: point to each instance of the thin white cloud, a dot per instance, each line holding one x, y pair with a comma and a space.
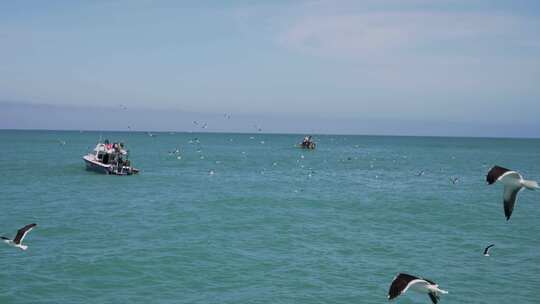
382, 36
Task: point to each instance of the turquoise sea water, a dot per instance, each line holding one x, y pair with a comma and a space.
273, 224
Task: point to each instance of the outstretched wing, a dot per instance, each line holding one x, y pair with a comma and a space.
509, 198
434, 298
21, 233
495, 173
487, 248
400, 285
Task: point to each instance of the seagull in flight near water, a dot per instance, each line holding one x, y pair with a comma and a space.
21, 233
402, 282
513, 183
486, 251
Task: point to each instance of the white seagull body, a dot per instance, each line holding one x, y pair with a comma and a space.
403, 282
513, 183
21, 233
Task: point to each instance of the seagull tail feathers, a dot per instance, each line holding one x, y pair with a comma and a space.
443, 291
529, 184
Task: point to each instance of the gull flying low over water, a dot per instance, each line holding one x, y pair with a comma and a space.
486, 251
21, 233
402, 282
513, 183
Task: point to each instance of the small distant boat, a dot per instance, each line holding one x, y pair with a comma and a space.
109, 158
307, 143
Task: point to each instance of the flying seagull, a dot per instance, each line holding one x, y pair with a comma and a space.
454, 180
513, 183
21, 233
402, 282
486, 251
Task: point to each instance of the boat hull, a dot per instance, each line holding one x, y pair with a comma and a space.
92, 165
311, 146
96, 167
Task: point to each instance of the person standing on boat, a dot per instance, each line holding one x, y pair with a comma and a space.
305, 143
108, 146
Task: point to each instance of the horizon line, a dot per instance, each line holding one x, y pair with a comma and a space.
274, 133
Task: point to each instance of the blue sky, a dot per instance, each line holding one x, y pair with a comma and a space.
454, 61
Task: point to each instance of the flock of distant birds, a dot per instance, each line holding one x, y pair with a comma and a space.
202, 125
513, 183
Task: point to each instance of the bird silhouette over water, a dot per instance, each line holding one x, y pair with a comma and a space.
21, 234
513, 183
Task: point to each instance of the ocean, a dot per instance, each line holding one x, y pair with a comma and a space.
272, 224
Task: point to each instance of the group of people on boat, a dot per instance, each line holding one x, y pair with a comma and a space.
116, 146
307, 143
109, 158
114, 153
